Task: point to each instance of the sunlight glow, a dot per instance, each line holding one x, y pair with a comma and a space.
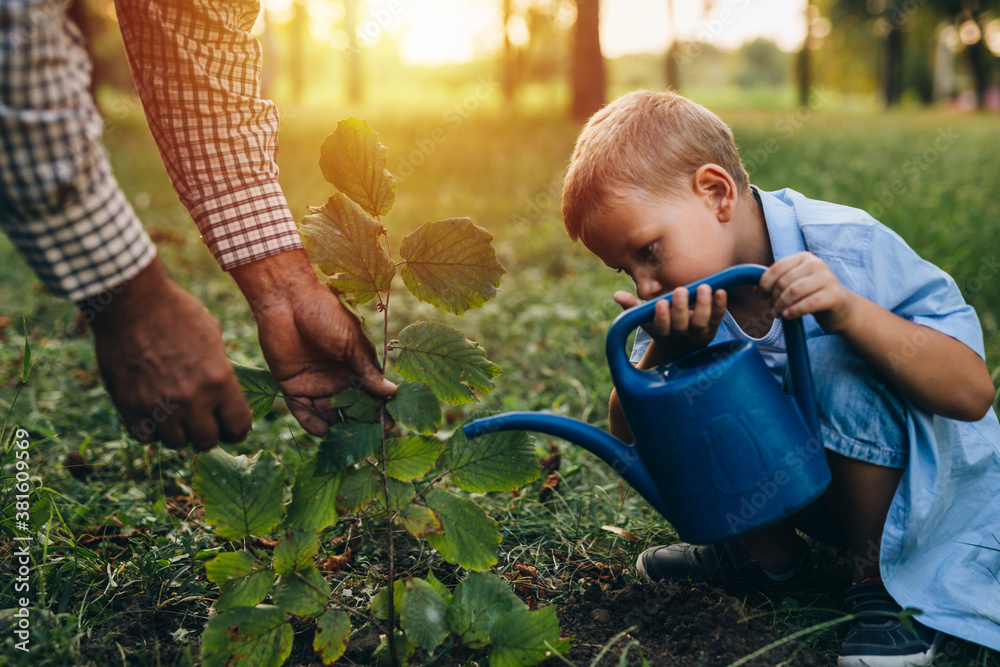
433, 32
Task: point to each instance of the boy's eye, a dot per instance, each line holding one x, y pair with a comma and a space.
618, 270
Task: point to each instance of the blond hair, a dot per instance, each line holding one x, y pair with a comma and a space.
646, 140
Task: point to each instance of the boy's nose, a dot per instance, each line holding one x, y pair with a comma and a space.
647, 287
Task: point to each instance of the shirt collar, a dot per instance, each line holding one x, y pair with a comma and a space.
782, 224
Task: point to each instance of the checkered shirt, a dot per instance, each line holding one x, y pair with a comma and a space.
197, 69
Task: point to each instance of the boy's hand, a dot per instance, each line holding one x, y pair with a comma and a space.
802, 284
678, 327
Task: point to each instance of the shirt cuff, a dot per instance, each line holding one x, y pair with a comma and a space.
245, 225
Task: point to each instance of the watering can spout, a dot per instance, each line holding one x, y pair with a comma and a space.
621, 457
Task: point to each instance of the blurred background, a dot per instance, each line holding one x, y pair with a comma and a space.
573, 55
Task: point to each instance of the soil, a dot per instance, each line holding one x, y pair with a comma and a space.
694, 624
681, 625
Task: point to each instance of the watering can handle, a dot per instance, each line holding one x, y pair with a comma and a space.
741, 274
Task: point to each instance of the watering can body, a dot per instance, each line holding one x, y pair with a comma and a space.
720, 450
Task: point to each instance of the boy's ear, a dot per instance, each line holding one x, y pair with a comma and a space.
715, 183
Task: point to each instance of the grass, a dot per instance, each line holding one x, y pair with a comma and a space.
122, 567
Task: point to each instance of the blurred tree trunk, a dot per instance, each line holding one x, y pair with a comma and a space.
892, 78
672, 67
802, 69
352, 11
588, 76
977, 57
298, 30
508, 74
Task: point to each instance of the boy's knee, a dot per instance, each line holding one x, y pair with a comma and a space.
863, 415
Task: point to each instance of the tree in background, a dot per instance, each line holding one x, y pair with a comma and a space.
588, 77
970, 17
352, 19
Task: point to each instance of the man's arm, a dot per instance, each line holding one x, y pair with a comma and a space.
197, 69
158, 350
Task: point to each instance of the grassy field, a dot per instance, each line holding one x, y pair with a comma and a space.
120, 569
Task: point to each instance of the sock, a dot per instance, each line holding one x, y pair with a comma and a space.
792, 572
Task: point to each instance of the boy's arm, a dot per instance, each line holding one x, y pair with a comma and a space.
934, 370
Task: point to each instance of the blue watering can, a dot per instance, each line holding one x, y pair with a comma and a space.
720, 450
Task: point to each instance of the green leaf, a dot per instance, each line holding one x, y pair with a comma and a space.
241, 496
421, 614
470, 536
416, 406
501, 461
477, 603
358, 489
357, 405
295, 551
347, 443
301, 597
438, 586
400, 493
314, 498
259, 387
229, 565
519, 637
348, 302
419, 520
451, 264
354, 160
380, 602
333, 631
411, 458
248, 637
404, 648
343, 242
245, 592
26, 360
442, 357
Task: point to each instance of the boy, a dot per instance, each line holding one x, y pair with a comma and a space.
656, 188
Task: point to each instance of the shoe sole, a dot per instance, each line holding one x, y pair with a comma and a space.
912, 660
641, 568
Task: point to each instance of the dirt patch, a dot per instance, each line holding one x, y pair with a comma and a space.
674, 624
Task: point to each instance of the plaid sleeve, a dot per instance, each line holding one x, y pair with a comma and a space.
197, 69
59, 201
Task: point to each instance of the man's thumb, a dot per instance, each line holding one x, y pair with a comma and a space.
368, 377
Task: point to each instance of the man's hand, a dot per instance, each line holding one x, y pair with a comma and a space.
313, 346
677, 328
161, 356
802, 284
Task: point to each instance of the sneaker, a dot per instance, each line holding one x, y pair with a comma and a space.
724, 563
878, 639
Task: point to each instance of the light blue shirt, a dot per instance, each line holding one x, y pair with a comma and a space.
940, 547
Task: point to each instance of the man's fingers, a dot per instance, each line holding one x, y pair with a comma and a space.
233, 414
171, 433
203, 430
367, 374
305, 414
